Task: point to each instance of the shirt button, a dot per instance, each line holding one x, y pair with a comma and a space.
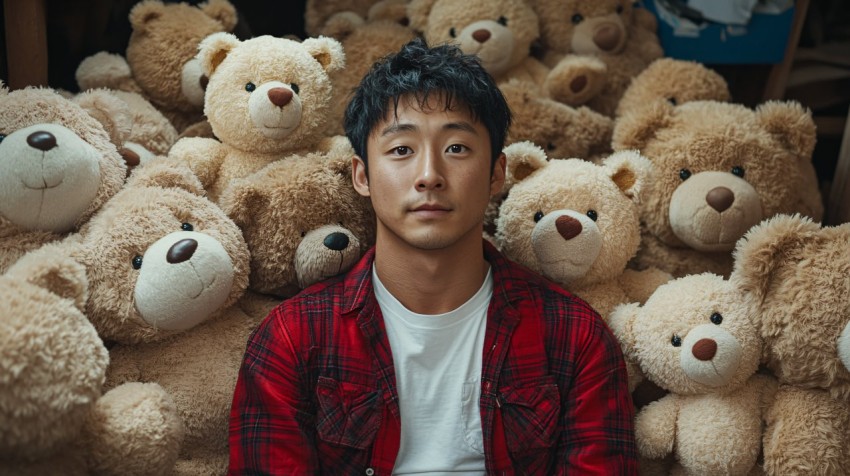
370, 472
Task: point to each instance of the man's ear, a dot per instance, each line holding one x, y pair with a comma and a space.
359, 176
497, 177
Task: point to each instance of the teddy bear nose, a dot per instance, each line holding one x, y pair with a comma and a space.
181, 251
607, 37
280, 96
42, 140
131, 158
203, 81
568, 227
720, 198
336, 241
481, 35
705, 349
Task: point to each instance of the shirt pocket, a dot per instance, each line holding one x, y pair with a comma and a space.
530, 415
349, 414
471, 416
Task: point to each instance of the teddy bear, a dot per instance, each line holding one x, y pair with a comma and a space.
676, 81
151, 133
795, 272
694, 337
58, 164
54, 414
267, 98
303, 221
317, 12
720, 168
595, 48
160, 59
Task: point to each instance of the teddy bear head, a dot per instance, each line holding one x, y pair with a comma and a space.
267, 94
693, 336
721, 168
46, 335
163, 44
58, 162
795, 272
585, 26
499, 32
571, 220
160, 258
676, 81
303, 221
317, 12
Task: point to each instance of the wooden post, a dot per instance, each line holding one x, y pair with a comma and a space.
838, 208
26, 42
777, 80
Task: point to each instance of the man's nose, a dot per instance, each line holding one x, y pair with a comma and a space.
429, 175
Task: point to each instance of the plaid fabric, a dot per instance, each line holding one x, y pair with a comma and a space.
316, 392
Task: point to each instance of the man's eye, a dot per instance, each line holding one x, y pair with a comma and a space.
456, 148
402, 150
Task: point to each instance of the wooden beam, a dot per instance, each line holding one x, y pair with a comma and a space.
838, 207
26, 42
777, 80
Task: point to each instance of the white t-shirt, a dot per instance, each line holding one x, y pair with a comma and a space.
437, 361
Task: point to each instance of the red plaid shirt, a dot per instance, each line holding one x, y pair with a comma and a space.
317, 394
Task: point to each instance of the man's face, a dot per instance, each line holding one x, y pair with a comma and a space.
429, 175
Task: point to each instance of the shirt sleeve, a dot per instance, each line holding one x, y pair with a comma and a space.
272, 422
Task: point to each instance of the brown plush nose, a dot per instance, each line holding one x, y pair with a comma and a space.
131, 158
481, 35
336, 241
568, 227
280, 96
181, 251
607, 37
203, 81
42, 140
704, 349
720, 198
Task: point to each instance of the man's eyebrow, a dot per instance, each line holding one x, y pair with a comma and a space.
461, 126
396, 128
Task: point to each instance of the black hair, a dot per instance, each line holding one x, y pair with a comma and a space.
418, 70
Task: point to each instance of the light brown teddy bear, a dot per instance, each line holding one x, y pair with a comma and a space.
267, 98
151, 133
303, 222
719, 169
58, 164
160, 63
595, 48
695, 338
317, 12
796, 273
54, 416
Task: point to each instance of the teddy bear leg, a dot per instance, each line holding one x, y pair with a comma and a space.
576, 80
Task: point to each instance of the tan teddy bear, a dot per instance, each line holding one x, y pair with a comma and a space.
160, 61
796, 273
595, 48
695, 338
267, 98
303, 222
151, 133
58, 164
317, 12
54, 416
719, 169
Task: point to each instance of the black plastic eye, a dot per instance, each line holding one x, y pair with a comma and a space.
716, 318
187, 227
672, 101
2, 136
592, 215
295, 88
676, 341
250, 87
303, 234
538, 216
738, 170
577, 18
502, 21
452, 32
137, 262
619, 9
684, 174
550, 146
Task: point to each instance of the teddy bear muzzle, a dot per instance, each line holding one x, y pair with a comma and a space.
566, 244
275, 109
711, 355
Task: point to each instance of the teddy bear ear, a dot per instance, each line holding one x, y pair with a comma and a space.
523, 158
791, 124
214, 49
166, 173
241, 201
621, 322
221, 11
629, 171
418, 12
327, 51
637, 127
110, 111
53, 268
341, 25
145, 12
392, 10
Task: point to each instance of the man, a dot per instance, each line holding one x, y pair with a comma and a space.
434, 354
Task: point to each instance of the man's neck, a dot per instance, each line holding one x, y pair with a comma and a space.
431, 281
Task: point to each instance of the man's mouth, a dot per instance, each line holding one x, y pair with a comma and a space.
431, 208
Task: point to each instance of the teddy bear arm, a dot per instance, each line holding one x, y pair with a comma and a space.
639, 285
576, 79
122, 368
655, 427
106, 70
203, 156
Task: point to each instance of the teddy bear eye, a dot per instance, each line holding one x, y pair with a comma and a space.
676, 341
538, 216
684, 174
250, 87
137, 262
577, 18
716, 318
550, 146
672, 100
2, 136
738, 170
452, 32
619, 9
303, 234
592, 215
187, 227
295, 88
502, 21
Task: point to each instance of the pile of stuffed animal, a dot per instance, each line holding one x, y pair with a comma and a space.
151, 221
